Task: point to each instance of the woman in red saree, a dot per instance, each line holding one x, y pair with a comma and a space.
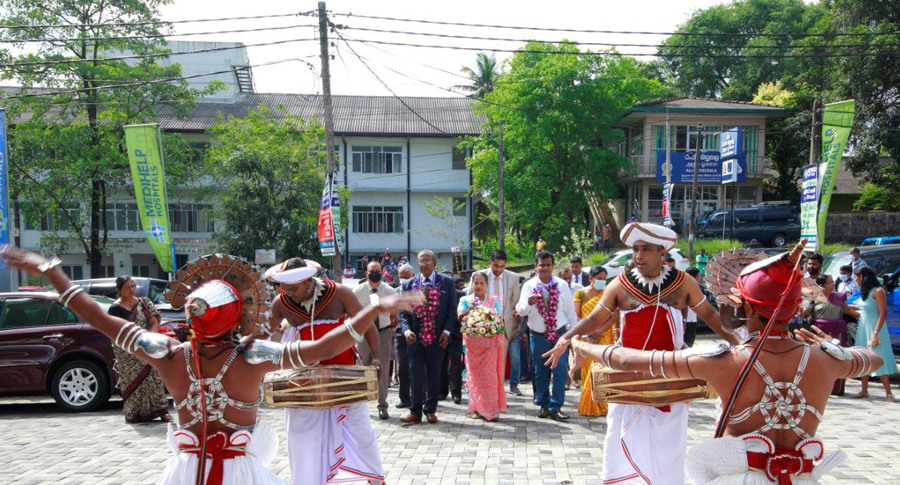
485, 339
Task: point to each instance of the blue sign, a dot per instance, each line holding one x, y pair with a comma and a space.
730, 148
4, 185
710, 170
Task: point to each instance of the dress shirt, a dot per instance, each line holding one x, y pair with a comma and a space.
495, 286
363, 292
858, 263
565, 310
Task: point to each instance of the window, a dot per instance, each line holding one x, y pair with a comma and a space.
190, 218
180, 260
104, 289
459, 206
377, 219
368, 159
55, 221
156, 291
73, 271
107, 271
459, 158
142, 270
122, 217
24, 312
60, 315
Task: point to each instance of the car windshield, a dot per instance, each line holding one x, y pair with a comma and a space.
833, 263
104, 302
610, 259
157, 289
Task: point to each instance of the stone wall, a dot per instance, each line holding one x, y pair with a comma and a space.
853, 227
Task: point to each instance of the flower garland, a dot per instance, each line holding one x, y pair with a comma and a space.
547, 308
427, 312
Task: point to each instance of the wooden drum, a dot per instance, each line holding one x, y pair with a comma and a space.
321, 386
613, 386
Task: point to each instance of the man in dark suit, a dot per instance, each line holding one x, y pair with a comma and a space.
579, 276
425, 360
404, 273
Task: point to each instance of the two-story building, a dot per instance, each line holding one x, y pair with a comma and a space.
645, 145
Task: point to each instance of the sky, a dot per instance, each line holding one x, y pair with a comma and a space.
440, 67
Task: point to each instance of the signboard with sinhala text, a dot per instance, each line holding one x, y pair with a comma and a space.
809, 206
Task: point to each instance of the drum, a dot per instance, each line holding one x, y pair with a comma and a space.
619, 387
321, 386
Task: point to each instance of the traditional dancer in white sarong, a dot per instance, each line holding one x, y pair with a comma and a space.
325, 445
215, 381
646, 444
771, 439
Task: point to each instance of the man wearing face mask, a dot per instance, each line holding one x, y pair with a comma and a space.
364, 291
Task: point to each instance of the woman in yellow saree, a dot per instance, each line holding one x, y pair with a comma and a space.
585, 301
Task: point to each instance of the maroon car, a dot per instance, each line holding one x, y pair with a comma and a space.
47, 349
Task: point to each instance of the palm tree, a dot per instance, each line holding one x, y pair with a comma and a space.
483, 76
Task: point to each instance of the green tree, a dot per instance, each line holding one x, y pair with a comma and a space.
874, 198
710, 67
483, 77
269, 171
67, 145
559, 115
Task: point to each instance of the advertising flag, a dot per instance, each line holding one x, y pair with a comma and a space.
4, 189
836, 124
809, 206
667, 204
329, 218
145, 156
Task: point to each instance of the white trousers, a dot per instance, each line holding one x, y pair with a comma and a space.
645, 445
332, 445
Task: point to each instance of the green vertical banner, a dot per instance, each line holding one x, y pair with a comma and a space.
836, 124
145, 156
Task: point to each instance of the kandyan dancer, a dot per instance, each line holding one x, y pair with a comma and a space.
770, 437
643, 443
215, 381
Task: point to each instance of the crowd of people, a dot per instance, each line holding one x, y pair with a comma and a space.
429, 329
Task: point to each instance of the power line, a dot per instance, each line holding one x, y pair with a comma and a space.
617, 32
144, 83
145, 56
389, 88
150, 36
152, 22
608, 44
627, 54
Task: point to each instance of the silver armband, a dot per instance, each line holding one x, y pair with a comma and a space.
127, 336
353, 333
292, 350
260, 351
155, 345
44, 267
836, 351
708, 350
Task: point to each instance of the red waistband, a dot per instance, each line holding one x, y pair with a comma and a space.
780, 466
218, 451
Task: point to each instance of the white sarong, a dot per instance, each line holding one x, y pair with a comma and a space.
336, 445
260, 447
723, 461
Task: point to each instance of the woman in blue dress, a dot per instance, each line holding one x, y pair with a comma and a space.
871, 331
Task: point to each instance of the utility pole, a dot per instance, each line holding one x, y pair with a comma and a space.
694, 193
502, 222
329, 125
815, 141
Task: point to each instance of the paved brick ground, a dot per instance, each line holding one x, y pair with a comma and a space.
42, 446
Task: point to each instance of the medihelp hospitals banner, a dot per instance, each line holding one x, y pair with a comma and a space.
145, 156
809, 206
836, 124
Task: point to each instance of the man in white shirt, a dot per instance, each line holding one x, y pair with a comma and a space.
538, 296
504, 284
364, 292
349, 271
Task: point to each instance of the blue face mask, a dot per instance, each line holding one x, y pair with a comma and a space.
599, 284
845, 277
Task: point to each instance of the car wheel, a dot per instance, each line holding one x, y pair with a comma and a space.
851, 333
779, 240
80, 386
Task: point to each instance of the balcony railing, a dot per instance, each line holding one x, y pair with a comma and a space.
645, 166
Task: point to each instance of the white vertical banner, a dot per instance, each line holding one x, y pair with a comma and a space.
809, 206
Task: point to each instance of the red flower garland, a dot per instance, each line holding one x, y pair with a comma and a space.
427, 313
547, 309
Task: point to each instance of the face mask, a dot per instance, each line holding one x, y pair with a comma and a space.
845, 277
599, 284
374, 277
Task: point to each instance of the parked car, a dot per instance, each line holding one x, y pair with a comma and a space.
885, 261
773, 224
47, 349
145, 288
881, 241
615, 263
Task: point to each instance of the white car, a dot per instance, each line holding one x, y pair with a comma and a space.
615, 263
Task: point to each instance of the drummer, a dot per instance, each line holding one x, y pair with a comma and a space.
644, 444
770, 433
336, 444
237, 447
